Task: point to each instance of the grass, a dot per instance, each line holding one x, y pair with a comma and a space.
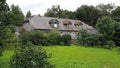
7, 54
4, 60
81, 57
74, 57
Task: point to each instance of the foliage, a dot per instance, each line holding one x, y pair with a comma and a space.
45, 39
116, 14
110, 44
106, 9
35, 37
82, 35
53, 12
16, 15
116, 17
116, 36
6, 31
66, 39
53, 37
56, 11
105, 26
88, 14
28, 14
41, 38
85, 38
29, 56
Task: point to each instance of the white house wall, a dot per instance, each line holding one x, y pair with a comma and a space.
71, 33
28, 27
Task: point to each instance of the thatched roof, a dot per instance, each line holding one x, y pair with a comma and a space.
39, 22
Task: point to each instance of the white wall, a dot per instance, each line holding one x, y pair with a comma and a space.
72, 33
28, 27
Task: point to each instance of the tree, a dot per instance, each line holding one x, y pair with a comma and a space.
67, 14
105, 27
55, 11
116, 14
88, 14
87, 39
4, 31
116, 36
17, 15
116, 17
106, 9
29, 56
28, 14
81, 37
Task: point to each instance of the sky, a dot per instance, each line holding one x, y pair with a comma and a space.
40, 6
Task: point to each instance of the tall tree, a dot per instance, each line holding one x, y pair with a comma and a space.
116, 14
106, 9
17, 15
28, 14
56, 11
3, 12
67, 14
88, 14
105, 26
116, 36
5, 31
53, 12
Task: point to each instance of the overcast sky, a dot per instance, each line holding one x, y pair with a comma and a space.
40, 6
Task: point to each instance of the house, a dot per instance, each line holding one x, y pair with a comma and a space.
65, 26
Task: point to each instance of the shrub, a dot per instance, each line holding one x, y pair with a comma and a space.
110, 44
85, 38
35, 37
82, 37
42, 38
29, 56
54, 37
66, 39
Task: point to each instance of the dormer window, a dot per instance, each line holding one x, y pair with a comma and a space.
67, 22
78, 23
54, 23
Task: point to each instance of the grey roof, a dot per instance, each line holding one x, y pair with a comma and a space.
40, 22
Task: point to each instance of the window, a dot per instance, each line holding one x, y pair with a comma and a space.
54, 23
67, 22
78, 23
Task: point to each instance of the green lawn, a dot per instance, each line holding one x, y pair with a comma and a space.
75, 57
81, 57
4, 60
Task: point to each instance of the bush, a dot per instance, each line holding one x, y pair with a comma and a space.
66, 39
29, 56
110, 44
42, 38
54, 37
35, 37
85, 38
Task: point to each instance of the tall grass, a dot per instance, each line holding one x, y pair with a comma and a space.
74, 57
81, 57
